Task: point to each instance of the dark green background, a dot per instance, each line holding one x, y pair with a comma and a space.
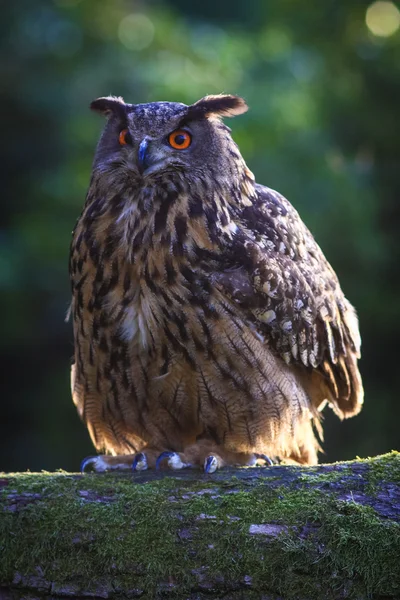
323, 129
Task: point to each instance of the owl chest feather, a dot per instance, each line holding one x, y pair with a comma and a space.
148, 298
146, 280
132, 326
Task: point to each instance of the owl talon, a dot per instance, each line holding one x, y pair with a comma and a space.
174, 461
210, 464
265, 458
140, 462
88, 461
161, 458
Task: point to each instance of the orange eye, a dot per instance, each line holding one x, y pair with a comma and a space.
124, 137
180, 139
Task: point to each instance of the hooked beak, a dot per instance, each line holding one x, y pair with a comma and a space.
142, 156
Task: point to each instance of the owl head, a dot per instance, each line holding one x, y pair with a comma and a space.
149, 140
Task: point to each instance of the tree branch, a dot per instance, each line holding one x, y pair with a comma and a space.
330, 531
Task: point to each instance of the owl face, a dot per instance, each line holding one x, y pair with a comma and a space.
147, 140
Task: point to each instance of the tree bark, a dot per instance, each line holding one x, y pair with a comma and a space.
330, 531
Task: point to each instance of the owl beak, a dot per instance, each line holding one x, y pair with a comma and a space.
142, 155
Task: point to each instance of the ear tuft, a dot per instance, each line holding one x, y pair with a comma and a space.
110, 105
221, 105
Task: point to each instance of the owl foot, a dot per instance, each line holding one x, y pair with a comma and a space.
89, 461
148, 459
195, 456
102, 463
174, 461
140, 462
211, 464
267, 460
151, 458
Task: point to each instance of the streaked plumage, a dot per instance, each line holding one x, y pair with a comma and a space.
206, 319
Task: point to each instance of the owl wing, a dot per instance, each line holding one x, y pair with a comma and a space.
280, 277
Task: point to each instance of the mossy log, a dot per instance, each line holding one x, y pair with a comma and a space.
325, 532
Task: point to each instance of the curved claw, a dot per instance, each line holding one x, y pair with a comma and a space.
210, 464
161, 458
174, 461
139, 462
267, 459
89, 460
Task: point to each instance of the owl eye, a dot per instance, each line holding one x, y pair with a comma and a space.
125, 137
180, 139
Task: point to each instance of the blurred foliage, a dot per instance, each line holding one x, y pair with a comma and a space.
323, 129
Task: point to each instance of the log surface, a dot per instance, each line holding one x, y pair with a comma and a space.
282, 532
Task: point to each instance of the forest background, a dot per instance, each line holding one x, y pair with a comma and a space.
322, 80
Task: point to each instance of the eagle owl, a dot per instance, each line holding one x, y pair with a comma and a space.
209, 328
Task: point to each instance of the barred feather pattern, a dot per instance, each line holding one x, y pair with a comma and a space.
204, 309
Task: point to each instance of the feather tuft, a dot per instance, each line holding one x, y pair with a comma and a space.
221, 105
109, 105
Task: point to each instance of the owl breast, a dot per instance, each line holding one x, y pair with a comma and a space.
133, 328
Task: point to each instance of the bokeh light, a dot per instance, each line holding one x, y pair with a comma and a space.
136, 32
383, 18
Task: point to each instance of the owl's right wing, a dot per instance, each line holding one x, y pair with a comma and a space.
285, 285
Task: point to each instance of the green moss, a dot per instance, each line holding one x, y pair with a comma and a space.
92, 528
383, 469
88, 537
343, 536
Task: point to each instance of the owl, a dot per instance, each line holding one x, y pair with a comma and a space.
209, 329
